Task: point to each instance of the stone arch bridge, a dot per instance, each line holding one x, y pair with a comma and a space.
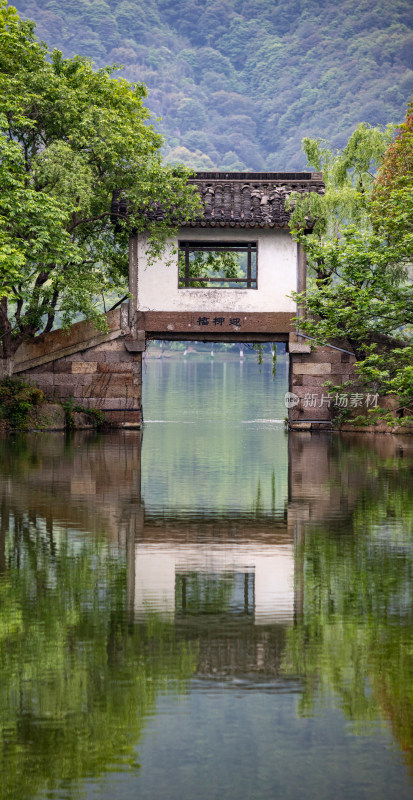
242, 228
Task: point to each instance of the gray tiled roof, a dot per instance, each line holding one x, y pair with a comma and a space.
240, 199
250, 199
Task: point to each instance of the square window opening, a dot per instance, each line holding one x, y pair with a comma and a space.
230, 593
217, 265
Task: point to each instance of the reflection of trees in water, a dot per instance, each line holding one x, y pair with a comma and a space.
354, 636
77, 676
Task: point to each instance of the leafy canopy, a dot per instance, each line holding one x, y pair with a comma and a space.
70, 136
392, 199
360, 254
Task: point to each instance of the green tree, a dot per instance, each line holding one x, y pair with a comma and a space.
359, 256
392, 208
70, 136
349, 178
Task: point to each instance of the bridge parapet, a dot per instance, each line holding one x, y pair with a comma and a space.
93, 369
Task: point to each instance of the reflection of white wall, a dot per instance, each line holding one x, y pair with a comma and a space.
157, 564
277, 275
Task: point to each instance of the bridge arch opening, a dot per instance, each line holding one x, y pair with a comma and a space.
232, 376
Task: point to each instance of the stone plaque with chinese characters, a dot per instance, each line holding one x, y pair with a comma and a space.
217, 322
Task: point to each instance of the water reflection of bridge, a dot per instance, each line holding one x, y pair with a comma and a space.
234, 583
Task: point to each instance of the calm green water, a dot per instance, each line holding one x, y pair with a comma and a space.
221, 612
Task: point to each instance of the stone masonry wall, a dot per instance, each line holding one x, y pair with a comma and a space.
95, 370
104, 371
309, 371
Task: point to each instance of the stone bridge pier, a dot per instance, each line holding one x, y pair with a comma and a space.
93, 370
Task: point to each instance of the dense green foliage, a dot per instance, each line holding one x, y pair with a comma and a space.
17, 400
392, 209
70, 136
95, 415
361, 291
237, 83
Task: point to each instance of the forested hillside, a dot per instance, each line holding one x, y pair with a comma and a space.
238, 83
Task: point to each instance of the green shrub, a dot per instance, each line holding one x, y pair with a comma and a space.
97, 416
17, 399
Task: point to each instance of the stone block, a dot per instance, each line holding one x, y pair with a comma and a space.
124, 317
109, 347
336, 375
59, 382
321, 368
79, 333
315, 381
325, 354
407, 428
346, 367
297, 347
303, 414
84, 367
62, 365
78, 390
123, 417
379, 428
300, 426
92, 355
112, 385
63, 379
135, 346
41, 380
299, 510
313, 405
112, 403
63, 392
390, 402
113, 358
113, 380
298, 344
113, 368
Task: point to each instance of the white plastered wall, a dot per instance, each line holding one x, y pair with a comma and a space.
156, 566
157, 284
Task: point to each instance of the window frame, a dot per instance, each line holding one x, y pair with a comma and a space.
249, 247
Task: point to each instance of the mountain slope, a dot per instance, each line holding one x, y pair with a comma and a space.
238, 83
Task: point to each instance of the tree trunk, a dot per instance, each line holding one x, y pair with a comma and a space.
6, 367
6, 351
